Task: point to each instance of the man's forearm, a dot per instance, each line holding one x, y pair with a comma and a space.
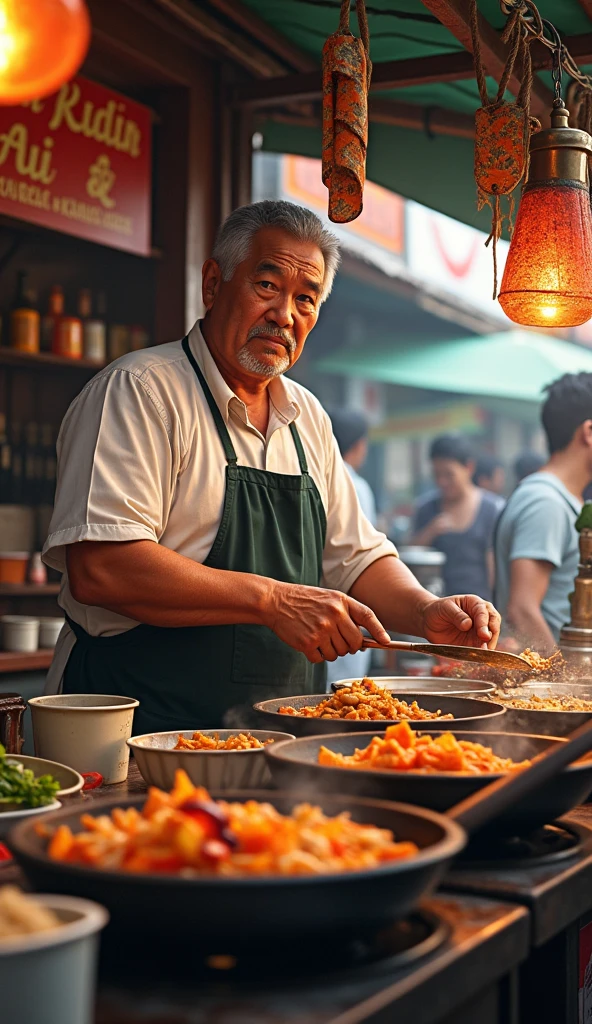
152, 584
530, 627
391, 590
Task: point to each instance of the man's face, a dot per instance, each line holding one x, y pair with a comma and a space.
258, 321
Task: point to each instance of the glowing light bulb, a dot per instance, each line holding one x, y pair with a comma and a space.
547, 279
42, 45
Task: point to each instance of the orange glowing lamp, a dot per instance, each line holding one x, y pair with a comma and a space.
547, 279
42, 44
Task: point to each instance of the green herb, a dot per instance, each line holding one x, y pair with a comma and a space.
584, 520
18, 785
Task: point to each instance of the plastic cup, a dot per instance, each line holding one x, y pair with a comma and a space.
86, 731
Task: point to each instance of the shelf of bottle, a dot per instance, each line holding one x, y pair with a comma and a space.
14, 661
37, 360
29, 589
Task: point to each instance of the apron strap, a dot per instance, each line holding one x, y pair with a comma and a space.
299, 449
231, 456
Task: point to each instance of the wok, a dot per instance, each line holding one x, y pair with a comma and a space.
295, 763
236, 911
469, 713
547, 723
426, 684
227, 914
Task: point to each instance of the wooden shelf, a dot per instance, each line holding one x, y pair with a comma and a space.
37, 360
29, 589
12, 661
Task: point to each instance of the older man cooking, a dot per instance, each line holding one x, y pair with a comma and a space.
211, 543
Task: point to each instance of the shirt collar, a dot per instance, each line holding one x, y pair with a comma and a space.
281, 398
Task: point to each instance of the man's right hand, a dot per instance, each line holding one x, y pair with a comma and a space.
323, 624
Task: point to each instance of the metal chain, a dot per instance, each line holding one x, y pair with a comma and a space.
540, 29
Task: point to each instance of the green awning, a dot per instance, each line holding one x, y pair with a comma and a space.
436, 171
514, 365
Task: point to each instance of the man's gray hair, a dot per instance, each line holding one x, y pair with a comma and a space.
233, 241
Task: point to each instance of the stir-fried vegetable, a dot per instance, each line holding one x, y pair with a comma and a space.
19, 788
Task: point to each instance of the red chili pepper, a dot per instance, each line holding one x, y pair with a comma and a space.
5, 853
212, 819
92, 780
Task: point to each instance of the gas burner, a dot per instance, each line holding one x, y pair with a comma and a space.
545, 845
391, 948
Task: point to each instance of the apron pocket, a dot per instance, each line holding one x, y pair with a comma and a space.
261, 658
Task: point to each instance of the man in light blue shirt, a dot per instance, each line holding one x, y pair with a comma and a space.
536, 544
351, 432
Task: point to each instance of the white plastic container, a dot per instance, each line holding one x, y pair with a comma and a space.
49, 631
50, 976
20, 633
86, 731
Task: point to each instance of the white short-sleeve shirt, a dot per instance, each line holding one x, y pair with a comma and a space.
139, 458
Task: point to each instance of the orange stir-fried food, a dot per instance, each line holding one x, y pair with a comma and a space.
540, 664
186, 832
402, 749
364, 700
201, 741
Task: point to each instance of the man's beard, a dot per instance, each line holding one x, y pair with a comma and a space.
280, 364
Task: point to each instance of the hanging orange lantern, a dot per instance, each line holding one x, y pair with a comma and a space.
547, 280
42, 44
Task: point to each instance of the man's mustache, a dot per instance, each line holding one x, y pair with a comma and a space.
267, 330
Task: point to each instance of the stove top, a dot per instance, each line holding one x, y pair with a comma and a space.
547, 845
550, 872
386, 950
455, 945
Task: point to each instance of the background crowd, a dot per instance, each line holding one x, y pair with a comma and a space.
507, 531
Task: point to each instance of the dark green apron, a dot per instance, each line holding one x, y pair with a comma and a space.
207, 676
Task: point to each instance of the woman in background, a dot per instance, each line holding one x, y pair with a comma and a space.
459, 519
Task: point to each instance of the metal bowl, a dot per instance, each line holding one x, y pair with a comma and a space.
296, 764
214, 769
273, 909
547, 723
426, 684
468, 712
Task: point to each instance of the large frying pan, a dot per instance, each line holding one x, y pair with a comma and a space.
295, 763
544, 722
227, 914
469, 713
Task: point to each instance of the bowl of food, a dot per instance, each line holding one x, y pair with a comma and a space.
358, 707
48, 953
23, 793
435, 771
186, 866
218, 759
547, 708
440, 687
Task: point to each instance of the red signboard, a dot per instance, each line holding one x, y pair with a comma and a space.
79, 161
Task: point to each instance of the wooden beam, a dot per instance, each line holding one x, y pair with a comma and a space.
586, 6
278, 44
454, 15
232, 45
392, 74
434, 120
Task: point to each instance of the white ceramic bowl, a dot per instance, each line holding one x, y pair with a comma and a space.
10, 818
86, 731
70, 781
49, 976
214, 769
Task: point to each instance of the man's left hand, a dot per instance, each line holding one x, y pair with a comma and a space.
465, 620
